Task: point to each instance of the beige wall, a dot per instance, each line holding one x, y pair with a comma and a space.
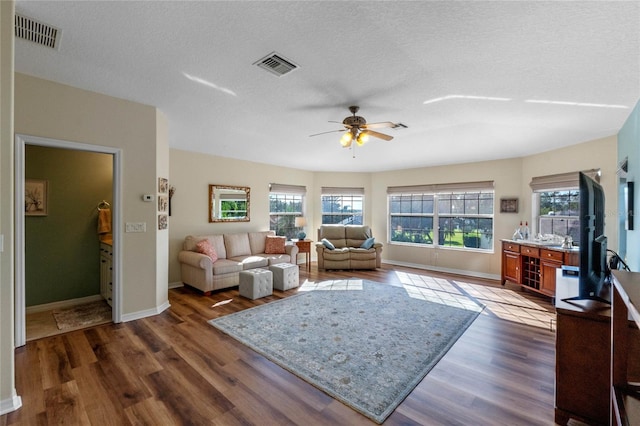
506, 175
598, 154
191, 173
9, 401
51, 110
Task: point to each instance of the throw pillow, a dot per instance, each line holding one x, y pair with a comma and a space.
205, 247
275, 245
368, 243
328, 244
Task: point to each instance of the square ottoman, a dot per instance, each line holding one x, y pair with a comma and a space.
256, 283
285, 276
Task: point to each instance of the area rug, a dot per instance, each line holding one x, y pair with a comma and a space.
364, 343
87, 314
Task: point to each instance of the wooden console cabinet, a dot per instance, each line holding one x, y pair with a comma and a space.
583, 356
534, 267
625, 347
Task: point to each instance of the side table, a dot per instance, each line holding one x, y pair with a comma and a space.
304, 246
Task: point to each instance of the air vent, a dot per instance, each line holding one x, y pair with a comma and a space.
400, 126
276, 64
37, 32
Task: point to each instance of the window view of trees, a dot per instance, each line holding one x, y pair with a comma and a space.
283, 210
463, 220
559, 213
342, 209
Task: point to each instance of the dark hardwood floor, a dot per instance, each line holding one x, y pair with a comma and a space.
174, 368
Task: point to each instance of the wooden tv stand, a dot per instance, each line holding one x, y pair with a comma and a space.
583, 356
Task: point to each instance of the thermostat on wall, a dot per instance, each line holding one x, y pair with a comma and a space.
147, 197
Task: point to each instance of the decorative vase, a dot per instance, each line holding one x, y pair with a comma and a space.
301, 235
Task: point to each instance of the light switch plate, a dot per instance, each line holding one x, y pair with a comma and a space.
135, 227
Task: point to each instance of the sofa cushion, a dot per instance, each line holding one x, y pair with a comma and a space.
335, 234
275, 245
368, 243
205, 247
251, 261
217, 241
362, 254
226, 266
356, 235
337, 254
257, 241
237, 245
328, 244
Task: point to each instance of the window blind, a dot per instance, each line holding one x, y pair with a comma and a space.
287, 189
486, 185
561, 180
331, 190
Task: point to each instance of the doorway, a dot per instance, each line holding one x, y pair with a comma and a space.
87, 217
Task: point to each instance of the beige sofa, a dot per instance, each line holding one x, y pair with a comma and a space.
348, 253
236, 252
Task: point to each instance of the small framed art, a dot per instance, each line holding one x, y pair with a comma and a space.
35, 197
508, 205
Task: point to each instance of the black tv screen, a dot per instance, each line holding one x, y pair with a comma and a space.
593, 243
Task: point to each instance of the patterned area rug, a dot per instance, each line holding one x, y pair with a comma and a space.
364, 343
93, 313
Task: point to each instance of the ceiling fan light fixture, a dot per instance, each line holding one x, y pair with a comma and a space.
346, 139
362, 138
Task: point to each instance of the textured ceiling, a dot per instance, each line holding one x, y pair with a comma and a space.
479, 63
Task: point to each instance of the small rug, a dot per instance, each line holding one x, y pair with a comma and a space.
93, 313
364, 343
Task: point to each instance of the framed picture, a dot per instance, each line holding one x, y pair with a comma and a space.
163, 203
163, 185
35, 197
162, 221
508, 205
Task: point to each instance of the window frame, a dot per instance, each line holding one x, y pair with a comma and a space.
289, 195
436, 194
343, 193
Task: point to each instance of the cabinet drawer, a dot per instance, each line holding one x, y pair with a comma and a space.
511, 247
530, 251
552, 255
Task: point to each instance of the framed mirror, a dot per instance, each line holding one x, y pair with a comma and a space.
229, 203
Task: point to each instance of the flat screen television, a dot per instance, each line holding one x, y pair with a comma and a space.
593, 272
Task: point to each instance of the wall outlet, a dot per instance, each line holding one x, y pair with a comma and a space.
135, 227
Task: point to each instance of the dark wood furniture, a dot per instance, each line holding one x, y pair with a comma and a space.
534, 267
583, 357
625, 396
304, 246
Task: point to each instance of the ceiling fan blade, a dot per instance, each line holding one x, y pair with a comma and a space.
378, 135
330, 131
379, 125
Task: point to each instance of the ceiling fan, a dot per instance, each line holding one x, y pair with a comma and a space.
356, 129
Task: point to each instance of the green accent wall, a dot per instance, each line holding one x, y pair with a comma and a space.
62, 249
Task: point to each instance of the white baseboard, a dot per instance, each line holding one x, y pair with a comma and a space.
63, 304
445, 270
146, 313
10, 404
176, 284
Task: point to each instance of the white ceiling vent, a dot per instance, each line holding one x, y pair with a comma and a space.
276, 64
37, 32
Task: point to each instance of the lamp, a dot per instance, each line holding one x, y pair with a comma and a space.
301, 222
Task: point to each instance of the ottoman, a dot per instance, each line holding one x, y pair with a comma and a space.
256, 283
285, 276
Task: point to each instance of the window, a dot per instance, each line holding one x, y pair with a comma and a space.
342, 205
556, 201
285, 204
461, 214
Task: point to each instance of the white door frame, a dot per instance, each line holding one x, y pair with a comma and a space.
20, 301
